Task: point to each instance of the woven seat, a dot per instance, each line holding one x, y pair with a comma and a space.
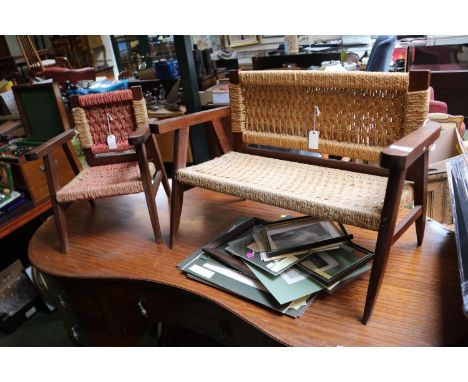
104, 181
349, 197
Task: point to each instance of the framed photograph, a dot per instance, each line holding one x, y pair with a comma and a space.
332, 265
217, 248
205, 268
296, 234
237, 247
240, 40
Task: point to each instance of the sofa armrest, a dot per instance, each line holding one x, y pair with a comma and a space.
49, 146
401, 154
176, 123
139, 136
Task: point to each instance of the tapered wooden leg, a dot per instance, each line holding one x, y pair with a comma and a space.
176, 209
181, 137
420, 193
92, 203
156, 154
149, 189
59, 209
61, 224
150, 196
385, 239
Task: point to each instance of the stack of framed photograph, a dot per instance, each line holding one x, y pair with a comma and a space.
336, 266
282, 264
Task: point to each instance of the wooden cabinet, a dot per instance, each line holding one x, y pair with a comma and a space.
119, 312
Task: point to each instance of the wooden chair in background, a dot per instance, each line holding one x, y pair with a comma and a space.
130, 166
36, 66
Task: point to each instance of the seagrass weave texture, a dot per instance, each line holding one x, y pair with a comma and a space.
361, 113
344, 196
91, 121
104, 181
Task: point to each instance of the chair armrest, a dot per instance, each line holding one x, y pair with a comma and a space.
52, 144
176, 123
139, 136
401, 154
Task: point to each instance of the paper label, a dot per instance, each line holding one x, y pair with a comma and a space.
314, 139
111, 142
201, 271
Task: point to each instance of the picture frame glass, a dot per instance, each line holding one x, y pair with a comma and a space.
240, 40
333, 263
293, 233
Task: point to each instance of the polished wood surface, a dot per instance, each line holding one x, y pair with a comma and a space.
419, 302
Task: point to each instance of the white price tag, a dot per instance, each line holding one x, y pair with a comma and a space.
111, 142
314, 139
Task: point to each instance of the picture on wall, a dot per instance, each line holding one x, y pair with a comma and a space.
240, 40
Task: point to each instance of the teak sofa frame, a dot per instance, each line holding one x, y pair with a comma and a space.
397, 165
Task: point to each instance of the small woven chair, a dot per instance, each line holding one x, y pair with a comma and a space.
374, 117
120, 168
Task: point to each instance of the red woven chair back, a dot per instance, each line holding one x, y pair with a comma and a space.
120, 106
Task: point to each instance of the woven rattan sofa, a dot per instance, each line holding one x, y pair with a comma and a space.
373, 117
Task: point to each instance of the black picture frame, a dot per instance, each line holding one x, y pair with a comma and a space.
342, 236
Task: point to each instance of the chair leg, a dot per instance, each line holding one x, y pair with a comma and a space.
420, 193
150, 195
390, 209
61, 224
382, 251
160, 166
176, 209
420, 227
150, 189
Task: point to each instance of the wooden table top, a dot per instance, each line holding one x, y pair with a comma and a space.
164, 113
419, 302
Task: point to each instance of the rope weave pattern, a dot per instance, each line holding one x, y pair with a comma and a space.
141, 113
344, 196
99, 99
104, 181
91, 120
361, 112
82, 126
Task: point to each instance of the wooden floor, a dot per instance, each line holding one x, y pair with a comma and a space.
419, 302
